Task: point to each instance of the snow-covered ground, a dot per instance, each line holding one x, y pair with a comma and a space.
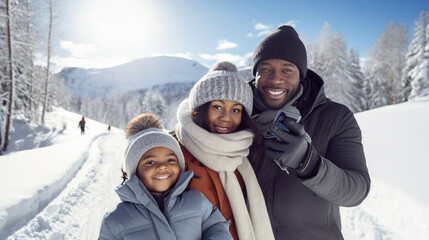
64, 183
60, 191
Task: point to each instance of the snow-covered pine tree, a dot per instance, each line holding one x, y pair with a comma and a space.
317, 59
384, 65
133, 106
420, 85
420, 80
61, 95
376, 87
355, 89
415, 54
114, 111
104, 109
340, 75
313, 60
98, 106
153, 102
331, 55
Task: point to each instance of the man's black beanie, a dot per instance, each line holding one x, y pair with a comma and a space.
282, 43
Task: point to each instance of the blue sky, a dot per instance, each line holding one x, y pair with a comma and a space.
102, 33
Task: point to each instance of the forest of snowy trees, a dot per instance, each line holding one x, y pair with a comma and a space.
24, 86
395, 70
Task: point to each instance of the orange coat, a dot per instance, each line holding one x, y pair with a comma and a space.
208, 182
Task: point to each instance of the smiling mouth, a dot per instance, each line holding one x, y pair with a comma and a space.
222, 129
162, 177
275, 93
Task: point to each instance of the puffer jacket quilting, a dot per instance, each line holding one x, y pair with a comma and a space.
187, 214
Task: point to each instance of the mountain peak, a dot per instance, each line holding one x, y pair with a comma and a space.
138, 74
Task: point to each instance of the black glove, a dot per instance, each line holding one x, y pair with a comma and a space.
291, 149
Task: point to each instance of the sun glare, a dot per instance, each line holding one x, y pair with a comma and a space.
118, 23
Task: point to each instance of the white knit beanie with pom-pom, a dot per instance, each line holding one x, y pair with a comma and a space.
144, 132
222, 82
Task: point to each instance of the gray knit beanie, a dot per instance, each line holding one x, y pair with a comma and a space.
282, 43
148, 137
222, 82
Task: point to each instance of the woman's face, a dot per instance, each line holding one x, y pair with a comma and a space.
224, 116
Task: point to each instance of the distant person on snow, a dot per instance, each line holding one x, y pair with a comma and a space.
108, 128
82, 126
155, 201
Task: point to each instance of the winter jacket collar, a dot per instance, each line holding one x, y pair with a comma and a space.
135, 191
313, 95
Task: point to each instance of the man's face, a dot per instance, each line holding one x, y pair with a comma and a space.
277, 81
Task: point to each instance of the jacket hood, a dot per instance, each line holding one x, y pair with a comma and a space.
135, 191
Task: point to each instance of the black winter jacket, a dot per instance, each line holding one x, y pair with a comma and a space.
309, 208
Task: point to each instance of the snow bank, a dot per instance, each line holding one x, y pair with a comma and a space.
30, 179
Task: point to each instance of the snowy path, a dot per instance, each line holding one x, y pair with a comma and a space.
77, 211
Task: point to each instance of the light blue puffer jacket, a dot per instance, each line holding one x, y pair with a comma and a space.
187, 215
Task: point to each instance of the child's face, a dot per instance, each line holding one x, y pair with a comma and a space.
158, 169
224, 116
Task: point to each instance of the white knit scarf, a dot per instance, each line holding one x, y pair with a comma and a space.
224, 153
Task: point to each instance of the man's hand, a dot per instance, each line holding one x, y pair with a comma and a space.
288, 149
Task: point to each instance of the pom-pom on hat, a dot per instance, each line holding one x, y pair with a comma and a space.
222, 82
144, 132
282, 43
